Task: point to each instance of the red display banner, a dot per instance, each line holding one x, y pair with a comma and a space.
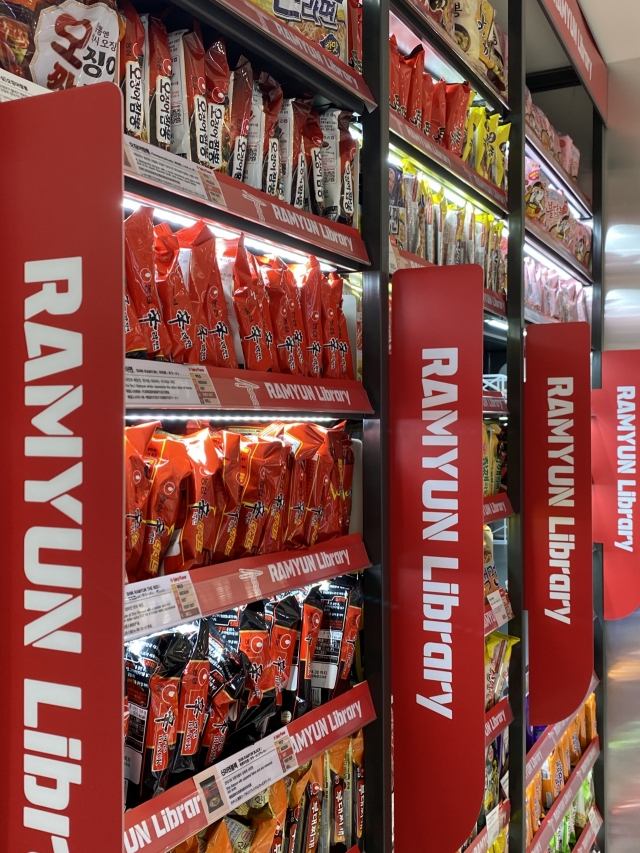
437, 595
615, 480
574, 34
301, 46
495, 303
495, 507
557, 518
62, 496
497, 720
445, 158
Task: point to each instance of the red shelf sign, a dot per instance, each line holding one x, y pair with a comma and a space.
493, 403
557, 519
497, 720
61, 326
156, 385
615, 476
575, 36
495, 303
302, 46
496, 507
451, 162
437, 600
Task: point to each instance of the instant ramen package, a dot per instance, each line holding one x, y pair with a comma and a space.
325, 23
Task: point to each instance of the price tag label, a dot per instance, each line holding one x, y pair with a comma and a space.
149, 383
505, 784
160, 603
497, 605
493, 825
232, 782
595, 821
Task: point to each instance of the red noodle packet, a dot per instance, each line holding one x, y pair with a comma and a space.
394, 76
439, 111
218, 78
134, 342
457, 95
137, 488
246, 298
427, 102
312, 315
177, 309
240, 101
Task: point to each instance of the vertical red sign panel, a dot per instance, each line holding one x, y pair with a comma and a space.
437, 596
62, 496
615, 480
557, 518
573, 31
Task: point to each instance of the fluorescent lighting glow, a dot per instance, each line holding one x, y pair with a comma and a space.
499, 324
209, 416
531, 252
395, 160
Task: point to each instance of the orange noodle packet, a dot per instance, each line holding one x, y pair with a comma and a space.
174, 298
137, 488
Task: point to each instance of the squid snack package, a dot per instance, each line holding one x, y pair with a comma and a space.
457, 98
265, 461
295, 180
438, 119
394, 75
218, 79
270, 154
241, 88
228, 671
194, 688
140, 269
134, 342
312, 315
174, 298
313, 143
189, 130
228, 448
137, 488
325, 666
249, 313
192, 544
255, 139
199, 262
131, 62
427, 103
161, 735
354, 34
286, 317
157, 77
169, 467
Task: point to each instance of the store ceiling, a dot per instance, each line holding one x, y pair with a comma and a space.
615, 25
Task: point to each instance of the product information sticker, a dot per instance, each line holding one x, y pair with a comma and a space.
159, 603
232, 782
148, 383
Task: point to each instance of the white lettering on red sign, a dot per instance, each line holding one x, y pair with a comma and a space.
317, 731
139, 835
309, 563
626, 454
52, 756
440, 515
561, 478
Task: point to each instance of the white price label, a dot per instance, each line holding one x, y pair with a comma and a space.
497, 605
152, 382
493, 825
595, 821
505, 784
12, 87
169, 170
160, 603
232, 782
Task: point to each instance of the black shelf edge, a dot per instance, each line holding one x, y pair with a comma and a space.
429, 31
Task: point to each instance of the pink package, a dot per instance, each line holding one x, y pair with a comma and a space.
567, 231
529, 271
549, 294
555, 210
570, 156
582, 244
581, 299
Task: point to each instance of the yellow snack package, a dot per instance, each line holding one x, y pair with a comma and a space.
491, 127
581, 719
475, 117
552, 778
485, 17
528, 816
491, 583
502, 155
565, 754
536, 807
325, 25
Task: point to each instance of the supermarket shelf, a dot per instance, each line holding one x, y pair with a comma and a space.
558, 810
494, 403
286, 49
533, 316
589, 834
495, 303
557, 174
547, 741
556, 252
153, 386
409, 261
482, 842
415, 15
170, 818
497, 507
447, 166
496, 617
497, 719
166, 180
164, 602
